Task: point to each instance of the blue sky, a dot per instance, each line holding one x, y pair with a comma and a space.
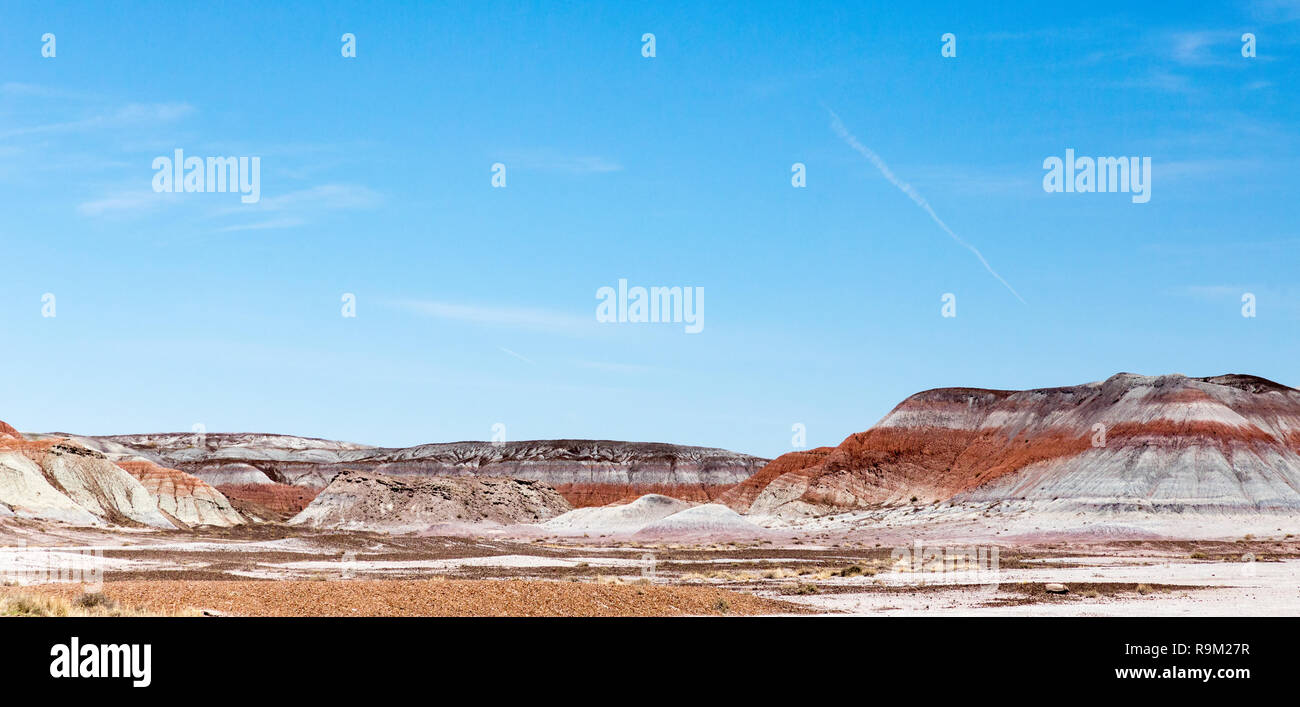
475, 305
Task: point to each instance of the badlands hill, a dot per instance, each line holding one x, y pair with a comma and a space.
1223, 444
586, 472
52, 478
357, 500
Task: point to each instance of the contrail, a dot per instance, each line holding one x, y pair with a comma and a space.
838, 126
519, 356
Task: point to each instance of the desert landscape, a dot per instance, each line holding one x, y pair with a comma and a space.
1136, 495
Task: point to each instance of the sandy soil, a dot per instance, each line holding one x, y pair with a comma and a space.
430, 597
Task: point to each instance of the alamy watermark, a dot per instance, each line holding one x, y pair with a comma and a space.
637, 305
1086, 175
947, 565
23, 565
181, 174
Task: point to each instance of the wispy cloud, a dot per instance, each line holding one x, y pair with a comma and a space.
130, 114
17, 88
838, 126
1276, 10
1205, 47
509, 317
289, 210
1277, 299
979, 181
519, 356
1211, 291
323, 197
554, 161
121, 204
1206, 168
297, 208
623, 368
1159, 80
1219, 248
271, 224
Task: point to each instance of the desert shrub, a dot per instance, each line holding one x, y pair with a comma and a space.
95, 600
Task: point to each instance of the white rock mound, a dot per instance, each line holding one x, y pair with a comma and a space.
25, 493
657, 517
710, 520
66, 482
625, 518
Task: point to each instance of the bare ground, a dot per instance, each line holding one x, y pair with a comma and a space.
427, 597
278, 570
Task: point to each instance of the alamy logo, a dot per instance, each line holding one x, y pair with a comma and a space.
43, 565
654, 304
215, 174
1087, 175
123, 660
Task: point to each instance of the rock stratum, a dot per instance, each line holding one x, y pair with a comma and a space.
183, 499
359, 500
587, 472
1223, 444
59, 479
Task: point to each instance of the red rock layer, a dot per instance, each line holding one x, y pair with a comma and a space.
32, 449
185, 498
282, 500
160, 479
35, 449
741, 496
944, 442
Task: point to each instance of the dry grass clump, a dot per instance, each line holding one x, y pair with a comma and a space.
89, 604
737, 575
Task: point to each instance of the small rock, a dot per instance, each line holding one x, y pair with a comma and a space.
213, 612
1054, 588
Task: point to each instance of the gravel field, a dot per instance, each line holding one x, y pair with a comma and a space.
445, 597
279, 570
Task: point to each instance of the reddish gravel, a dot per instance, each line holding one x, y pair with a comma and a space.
452, 597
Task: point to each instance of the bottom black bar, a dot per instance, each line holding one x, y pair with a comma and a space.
824, 658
